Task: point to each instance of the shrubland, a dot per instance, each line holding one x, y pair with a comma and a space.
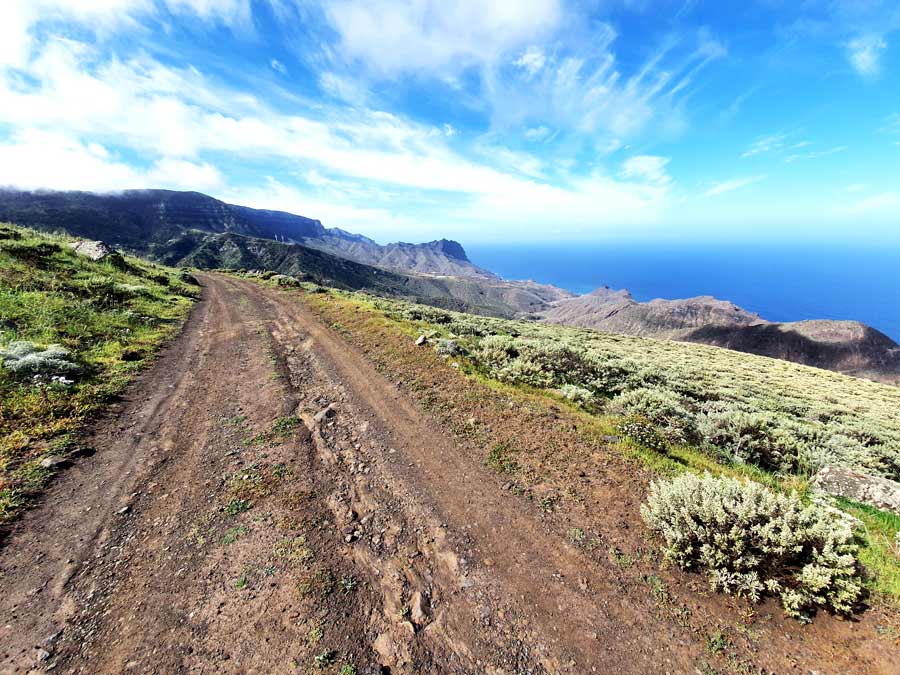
72, 333
762, 426
778, 416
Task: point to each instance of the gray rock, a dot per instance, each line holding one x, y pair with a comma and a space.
52, 461
324, 413
881, 493
421, 340
99, 251
95, 250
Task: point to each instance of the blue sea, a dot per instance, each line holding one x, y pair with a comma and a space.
780, 283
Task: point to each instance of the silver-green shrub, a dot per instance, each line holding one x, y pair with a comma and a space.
24, 358
579, 395
642, 431
662, 407
447, 347
751, 541
743, 436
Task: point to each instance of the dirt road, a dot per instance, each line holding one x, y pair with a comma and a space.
265, 501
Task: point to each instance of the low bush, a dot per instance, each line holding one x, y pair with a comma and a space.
642, 431
579, 395
25, 359
751, 541
661, 407
743, 436
285, 281
447, 348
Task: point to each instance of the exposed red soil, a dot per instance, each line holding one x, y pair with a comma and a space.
208, 533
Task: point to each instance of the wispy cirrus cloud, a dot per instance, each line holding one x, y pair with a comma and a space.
815, 154
732, 185
765, 145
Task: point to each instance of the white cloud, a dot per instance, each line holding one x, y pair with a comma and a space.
278, 66
586, 91
816, 153
765, 145
343, 88
394, 36
864, 53
881, 205
79, 104
532, 60
34, 159
537, 133
169, 172
647, 168
730, 185
231, 12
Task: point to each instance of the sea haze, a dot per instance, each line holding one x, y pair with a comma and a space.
780, 283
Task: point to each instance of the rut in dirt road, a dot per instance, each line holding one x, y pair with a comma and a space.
264, 501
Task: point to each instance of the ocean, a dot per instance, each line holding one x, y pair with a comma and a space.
783, 283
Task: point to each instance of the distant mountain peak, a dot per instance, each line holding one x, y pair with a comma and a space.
450, 248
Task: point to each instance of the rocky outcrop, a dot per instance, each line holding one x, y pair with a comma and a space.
872, 490
618, 312
442, 257
97, 251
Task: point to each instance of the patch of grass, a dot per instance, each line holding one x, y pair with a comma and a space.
314, 636
241, 582
548, 503
247, 484
236, 506
621, 558
716, 643
500, 459
348, 583
284, 426
576, 535
237, 421
232, 534
325, 659
111, 318
294, 550
347, 669
878, 547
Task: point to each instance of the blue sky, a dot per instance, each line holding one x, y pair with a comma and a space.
482, 120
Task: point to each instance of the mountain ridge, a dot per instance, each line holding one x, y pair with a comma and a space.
145, 221
191, 228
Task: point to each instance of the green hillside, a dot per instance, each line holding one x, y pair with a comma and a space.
72, 334
678, 407
740, 409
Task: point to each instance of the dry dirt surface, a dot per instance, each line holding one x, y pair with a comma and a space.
265, 499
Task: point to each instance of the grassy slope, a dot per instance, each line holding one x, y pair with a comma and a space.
112, 320
774, 384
